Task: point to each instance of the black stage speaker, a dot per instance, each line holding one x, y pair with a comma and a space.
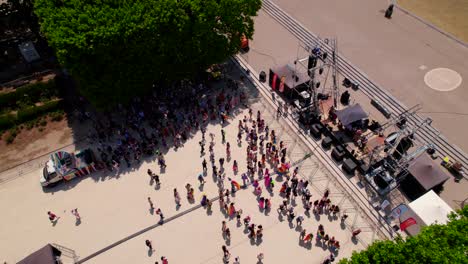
349, 166
262, 76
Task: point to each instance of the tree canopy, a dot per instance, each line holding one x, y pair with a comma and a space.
116, 49
435, 244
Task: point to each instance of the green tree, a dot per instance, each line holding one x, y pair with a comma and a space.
435, 244
116, 49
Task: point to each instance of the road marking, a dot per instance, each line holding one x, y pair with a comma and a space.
443, 79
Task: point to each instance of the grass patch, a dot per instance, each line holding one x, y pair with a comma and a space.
448, 15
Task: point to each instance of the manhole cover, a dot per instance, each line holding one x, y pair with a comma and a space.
443, 79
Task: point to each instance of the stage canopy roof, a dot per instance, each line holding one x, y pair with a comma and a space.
45, 255
351, 114
287, 71
430, 208
427, 172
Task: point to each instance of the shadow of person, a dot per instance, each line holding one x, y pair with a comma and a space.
317, 216
157, 187
151, 211
354, 240
150, 252
259, 241
78, 221
201, 187
54, 222
293, 202
342, 225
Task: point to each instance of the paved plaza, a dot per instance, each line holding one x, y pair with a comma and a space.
377, 53
116, 218
114, 207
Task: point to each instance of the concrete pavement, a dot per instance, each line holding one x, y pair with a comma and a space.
115, 206
395, 53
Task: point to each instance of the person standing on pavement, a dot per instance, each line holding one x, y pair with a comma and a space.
149, 245
204, 165
299, 220
150, 203
176, 197
161, 215
200, 179
52, 217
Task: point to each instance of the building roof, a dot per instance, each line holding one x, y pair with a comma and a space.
431, 208
45, 255
427, 172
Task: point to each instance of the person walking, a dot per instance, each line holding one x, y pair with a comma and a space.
223, 135
201, 179
202, 148
223, 227
226, 254
156, 179
204, 165
149, 245
228, 151
260, 257
161, 215
299, 220
76, 214
150, 203
52, 217
164, 260
176, 197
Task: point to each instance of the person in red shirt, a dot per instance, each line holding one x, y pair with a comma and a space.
52, 216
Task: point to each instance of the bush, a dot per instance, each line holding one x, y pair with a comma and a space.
56, 116
7, 121
30, 124
33, 112
43, 122
10, 138
12, 135
29, 94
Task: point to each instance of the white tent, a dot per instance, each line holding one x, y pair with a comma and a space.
426, 210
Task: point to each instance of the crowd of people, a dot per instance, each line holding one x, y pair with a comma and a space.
264, 152
168, 119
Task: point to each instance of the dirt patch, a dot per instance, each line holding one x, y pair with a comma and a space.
33, 143
448, 15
